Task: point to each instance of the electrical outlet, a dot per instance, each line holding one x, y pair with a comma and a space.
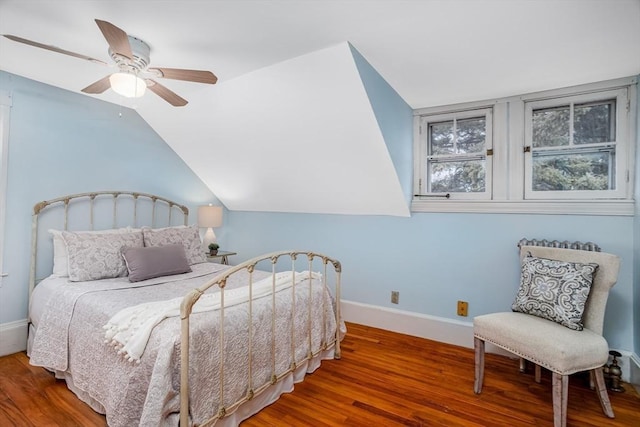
395, 297
463, 308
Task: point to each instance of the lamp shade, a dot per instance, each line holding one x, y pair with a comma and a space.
127, 84
209, 216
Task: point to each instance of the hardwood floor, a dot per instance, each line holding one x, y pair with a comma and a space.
383, 379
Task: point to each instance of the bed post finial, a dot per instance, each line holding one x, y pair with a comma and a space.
38, 207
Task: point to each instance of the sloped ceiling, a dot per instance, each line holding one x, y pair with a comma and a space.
289, 127
298, 136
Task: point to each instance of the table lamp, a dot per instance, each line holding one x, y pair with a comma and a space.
209, 217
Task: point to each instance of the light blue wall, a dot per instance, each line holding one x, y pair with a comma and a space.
395, 119
433, 260
436, 259
63, 143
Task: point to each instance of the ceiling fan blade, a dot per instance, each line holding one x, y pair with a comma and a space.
166, 94
52, 48
197, 76
99, 86
117, 38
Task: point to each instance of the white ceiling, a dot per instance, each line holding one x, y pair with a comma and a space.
432, 52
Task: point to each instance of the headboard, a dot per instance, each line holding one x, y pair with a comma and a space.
100, 210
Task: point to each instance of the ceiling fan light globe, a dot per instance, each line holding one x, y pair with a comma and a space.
128, 85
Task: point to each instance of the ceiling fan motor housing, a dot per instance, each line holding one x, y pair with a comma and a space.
140, 60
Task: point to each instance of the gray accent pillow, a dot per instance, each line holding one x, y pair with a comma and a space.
97, 256
155, 261
554, 290
188, 237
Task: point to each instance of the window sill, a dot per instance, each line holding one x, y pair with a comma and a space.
555, 207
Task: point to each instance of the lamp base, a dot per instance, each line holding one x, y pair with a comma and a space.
209, 237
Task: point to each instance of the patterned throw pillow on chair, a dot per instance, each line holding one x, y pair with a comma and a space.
554, 290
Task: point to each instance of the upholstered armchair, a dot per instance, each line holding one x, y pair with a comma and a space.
557, 320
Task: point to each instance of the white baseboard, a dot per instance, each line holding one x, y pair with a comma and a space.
449, 331
634, 369
13, 337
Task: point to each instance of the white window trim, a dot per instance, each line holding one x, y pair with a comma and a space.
5, 111
422, 129
508, 145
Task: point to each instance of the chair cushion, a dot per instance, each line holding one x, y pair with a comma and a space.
546, 343
554, 290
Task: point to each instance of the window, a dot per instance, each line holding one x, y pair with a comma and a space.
572, 149
563, 151
454, 147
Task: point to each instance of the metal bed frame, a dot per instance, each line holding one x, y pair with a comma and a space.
219, 281
65, 202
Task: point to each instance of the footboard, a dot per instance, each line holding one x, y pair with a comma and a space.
329, 279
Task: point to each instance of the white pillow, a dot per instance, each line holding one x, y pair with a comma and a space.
60, 254
98, 256
189, 237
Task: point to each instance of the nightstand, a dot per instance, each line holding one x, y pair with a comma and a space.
221, 257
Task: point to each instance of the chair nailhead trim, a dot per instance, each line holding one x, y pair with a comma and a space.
531, 359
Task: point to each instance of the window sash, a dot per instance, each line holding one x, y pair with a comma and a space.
426, 160
617, 170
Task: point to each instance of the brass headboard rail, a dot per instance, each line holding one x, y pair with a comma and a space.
39, 207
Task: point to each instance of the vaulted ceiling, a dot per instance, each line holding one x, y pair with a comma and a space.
269, 136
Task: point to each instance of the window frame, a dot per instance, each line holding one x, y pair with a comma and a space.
509, 157
5, 112
422, 155
621, 134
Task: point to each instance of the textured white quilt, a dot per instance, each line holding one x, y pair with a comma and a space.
129, 329
70, 341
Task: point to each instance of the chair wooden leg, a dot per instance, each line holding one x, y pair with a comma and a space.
478, 345
602, 393
538, 373
560, 394
523, 365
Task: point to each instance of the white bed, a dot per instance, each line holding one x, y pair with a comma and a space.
230, 372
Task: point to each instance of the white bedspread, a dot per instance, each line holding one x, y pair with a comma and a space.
70, 341
50, 343
129, 329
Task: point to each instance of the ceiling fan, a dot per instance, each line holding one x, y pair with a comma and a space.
131, 56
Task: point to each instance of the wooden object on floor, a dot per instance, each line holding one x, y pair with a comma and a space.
383, 378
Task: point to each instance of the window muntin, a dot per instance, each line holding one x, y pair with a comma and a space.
572, 147
455, 151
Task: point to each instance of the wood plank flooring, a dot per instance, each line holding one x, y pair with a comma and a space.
383, 379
